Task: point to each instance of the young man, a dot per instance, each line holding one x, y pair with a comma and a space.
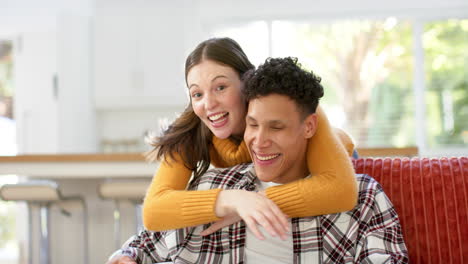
281, 117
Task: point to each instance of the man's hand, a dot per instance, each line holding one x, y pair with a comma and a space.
254, 208
121, 259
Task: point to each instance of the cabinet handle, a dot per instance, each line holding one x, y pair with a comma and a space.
55, 86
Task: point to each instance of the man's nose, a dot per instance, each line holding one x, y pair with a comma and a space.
262, 138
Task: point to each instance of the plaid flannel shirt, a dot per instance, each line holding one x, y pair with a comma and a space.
370, 233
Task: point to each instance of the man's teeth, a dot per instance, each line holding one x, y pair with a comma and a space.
216, 117
267, 157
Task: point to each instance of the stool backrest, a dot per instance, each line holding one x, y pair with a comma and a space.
31, 191
123, 190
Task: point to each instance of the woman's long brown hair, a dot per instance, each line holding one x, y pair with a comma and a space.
188, 135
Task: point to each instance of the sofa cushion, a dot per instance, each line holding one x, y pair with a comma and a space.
431, 199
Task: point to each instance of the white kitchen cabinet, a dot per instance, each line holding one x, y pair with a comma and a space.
53, 103
139, 61
35, 95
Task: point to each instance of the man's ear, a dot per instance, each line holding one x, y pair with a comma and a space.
310, 125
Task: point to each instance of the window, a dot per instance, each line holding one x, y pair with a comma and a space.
368, 71
366, 67
446, 55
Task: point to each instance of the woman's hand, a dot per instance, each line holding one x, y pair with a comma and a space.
254, 208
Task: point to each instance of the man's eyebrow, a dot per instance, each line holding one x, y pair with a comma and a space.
250, 118
270, 122
276, 122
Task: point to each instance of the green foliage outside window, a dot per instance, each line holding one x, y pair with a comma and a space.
367, 70
446, 67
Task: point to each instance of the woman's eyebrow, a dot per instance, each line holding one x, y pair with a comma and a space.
192, 85
214, 79
218, 76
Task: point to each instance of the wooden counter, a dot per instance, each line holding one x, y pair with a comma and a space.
119, 165
78, 165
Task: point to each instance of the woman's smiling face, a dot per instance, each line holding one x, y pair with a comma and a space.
216, 98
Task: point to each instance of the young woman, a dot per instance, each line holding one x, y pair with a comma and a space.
210, 131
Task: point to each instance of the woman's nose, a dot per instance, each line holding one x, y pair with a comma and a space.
210, 102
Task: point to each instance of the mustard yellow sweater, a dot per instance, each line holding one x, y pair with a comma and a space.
331, 189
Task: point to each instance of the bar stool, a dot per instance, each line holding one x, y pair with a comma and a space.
124, 190
43, 193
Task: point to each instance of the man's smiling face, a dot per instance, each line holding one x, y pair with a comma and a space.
276, 135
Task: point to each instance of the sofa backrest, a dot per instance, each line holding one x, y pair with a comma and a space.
431, 199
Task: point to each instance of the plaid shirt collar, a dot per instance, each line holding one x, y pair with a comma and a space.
369, 233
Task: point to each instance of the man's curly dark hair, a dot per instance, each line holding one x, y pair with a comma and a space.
284, 76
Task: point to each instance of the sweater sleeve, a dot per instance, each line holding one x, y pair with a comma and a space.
332, 186
168, 205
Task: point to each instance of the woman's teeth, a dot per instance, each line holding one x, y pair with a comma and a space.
217, 117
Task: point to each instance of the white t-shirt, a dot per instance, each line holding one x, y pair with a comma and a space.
272, 250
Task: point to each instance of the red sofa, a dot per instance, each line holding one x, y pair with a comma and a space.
431, 199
